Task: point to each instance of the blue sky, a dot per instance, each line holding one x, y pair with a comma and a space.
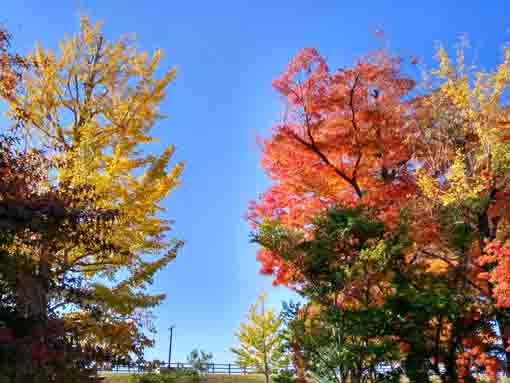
226, 53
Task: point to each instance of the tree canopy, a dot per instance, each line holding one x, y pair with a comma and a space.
261, 340
427, 168
90, 234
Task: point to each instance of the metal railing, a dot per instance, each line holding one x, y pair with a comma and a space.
205, 368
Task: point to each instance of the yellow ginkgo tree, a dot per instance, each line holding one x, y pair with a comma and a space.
261, 340
91, 106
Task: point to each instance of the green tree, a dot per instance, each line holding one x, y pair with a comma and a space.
338, 343
261, 340
365, 306
199, 359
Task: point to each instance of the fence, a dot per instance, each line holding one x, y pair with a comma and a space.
206, 368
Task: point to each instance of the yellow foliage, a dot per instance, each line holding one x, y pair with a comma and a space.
465, 138
94, 103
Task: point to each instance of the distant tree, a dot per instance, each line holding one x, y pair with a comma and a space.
199, 359
261, 340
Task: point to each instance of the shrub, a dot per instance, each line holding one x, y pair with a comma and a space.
284, 376
181, 376
152, 378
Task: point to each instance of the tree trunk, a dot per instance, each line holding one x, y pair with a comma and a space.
31, 307
299, 364
503, 319
415, 365
450, 361
355, 377
451, 368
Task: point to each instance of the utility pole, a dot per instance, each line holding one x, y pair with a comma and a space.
170, 346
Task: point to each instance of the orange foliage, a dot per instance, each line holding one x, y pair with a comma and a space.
341, 142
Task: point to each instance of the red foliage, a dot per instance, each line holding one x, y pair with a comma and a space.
498, 256
341, 142
10, 65
475, 361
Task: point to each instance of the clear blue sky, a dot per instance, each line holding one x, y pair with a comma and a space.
227, 52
